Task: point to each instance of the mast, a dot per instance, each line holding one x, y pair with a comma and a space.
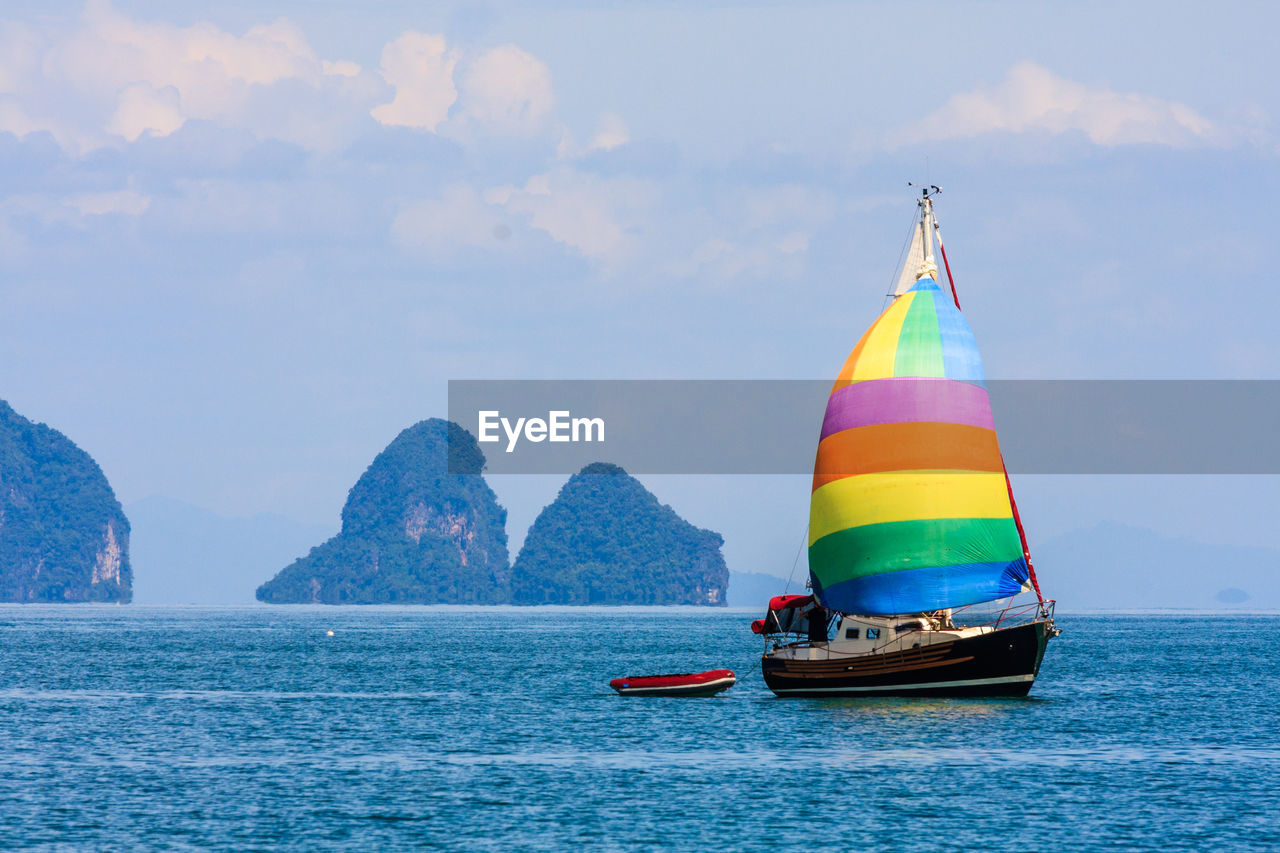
929, 266
929, 229
926, 219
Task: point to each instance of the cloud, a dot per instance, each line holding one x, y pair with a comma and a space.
610, 133
275, 279
76, 210
655, 232
110, 77
174, 99
752, 256
458, 219
784, 205
142, 108
1032, 98
420, 67
15, 119
603, 219
126, 202
340, 68
107, 78
505, 91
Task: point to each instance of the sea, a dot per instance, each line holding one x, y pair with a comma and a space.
126, 728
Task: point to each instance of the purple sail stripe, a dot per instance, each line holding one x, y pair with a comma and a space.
907, 400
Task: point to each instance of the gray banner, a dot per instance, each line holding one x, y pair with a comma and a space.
772, 426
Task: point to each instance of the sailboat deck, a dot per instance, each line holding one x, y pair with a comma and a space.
844, 649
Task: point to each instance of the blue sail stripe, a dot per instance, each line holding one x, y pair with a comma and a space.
960, 359
930, 588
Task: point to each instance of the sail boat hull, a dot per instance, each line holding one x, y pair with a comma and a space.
1004, 662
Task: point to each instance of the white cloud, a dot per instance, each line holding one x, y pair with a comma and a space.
747, 257
15, 119
107, 78
21, 55
612, 133
793, 243
784, 205
420, 67
603, 219
627, 224
1032, 98
507, 91
143, 108
125, 202
340, 68
110, 76
458, 219
72, 210
274, 279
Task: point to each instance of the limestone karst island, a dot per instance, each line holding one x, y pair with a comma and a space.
63, 534
419, 530
420, 526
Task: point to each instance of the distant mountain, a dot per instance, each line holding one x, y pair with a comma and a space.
749, 589
607, 540
184, 554
63, 535
1116, 566
412, 532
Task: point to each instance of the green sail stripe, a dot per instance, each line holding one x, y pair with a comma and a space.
920, 343
893, 546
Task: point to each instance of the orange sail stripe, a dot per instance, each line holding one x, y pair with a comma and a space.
925, 446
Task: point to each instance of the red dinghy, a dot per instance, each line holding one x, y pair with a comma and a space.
706, 683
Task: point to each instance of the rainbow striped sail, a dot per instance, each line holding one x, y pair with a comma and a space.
911, 508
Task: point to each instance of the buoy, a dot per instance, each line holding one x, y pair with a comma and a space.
328, 633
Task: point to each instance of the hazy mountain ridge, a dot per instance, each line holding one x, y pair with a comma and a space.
1112, 565
190, 555
754, 589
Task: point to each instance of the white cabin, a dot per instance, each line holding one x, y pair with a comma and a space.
863, 635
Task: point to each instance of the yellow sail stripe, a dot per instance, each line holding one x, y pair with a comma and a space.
883, 336
906, 496
878, 354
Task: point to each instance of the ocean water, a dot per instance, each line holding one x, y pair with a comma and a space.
495, 728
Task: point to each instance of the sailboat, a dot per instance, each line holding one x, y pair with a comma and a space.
916, 548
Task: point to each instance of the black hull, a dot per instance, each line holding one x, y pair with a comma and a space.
1004, 662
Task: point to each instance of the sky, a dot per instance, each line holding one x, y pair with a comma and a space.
242, 245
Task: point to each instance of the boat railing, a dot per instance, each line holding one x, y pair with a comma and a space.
975, 616
969, 616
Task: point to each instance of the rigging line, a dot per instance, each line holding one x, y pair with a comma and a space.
902, 258
796, 562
